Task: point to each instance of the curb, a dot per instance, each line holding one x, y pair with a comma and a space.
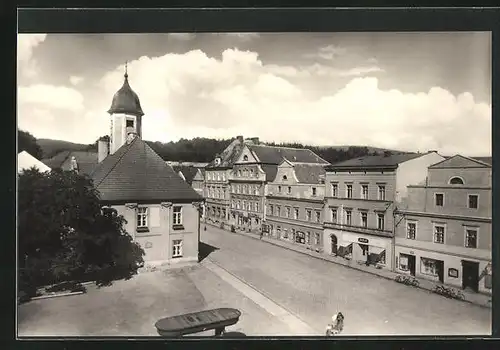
347, 266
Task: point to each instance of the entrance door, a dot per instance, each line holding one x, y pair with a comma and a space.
334, 244
440, 270
470, 275
411, 264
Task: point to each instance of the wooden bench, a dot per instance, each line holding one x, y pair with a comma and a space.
196, 322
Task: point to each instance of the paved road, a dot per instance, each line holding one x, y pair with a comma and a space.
313, 289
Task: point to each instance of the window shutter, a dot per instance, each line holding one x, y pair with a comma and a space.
154, 217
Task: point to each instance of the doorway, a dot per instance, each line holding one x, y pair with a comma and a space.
411, 264
334, 244
470, 275
440, 270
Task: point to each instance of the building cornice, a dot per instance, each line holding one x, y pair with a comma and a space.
444, 216
451, 187
356, 229
277, 219
309, 200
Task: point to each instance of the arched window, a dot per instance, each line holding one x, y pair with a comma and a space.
456, 181
245, 157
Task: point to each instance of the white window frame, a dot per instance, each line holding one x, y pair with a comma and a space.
142, 222
361, 214
296, 213
403, 255
257, 206
318, 215
278, 210
347, 188
471, 228
435, 199
348, 217
381, 189
271, 209
177, 248
308, 214
380, 215
335, 189
415, 222
363, 186
177, 215
288, 212
458, 177
426, 273
434, 225
468, 200
334, 214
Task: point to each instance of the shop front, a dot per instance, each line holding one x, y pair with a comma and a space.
454, 270
367, 249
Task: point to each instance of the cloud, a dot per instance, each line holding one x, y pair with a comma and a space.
192, 94
328, 52
242, 36
26, 43
75, 80
58, 97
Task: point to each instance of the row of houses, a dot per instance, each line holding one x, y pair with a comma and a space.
419, 214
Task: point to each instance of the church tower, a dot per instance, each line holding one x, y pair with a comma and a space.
126, 116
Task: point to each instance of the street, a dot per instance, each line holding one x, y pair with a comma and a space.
313, 290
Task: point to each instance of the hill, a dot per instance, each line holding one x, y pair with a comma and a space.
204, 149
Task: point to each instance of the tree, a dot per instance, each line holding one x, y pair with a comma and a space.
27, 142
65, 234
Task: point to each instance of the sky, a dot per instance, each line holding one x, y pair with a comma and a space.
405, 91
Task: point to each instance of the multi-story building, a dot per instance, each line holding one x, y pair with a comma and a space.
256, 166
445, 230
294, 204
217, 175
360, 197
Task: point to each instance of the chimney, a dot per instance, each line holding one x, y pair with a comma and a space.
255, 140
102, 150
240, 138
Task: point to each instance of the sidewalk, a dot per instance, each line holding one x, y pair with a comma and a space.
474, 298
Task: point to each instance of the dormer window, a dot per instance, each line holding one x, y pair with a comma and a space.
245, 158
129, 123
284, 178
456, 181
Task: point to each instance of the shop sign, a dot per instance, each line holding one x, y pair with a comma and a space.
362, 240
453, 273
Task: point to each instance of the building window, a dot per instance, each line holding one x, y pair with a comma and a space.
288, 212
470, 238
289, 189
381, 192
223, 176
278, 210
473, 201
177, 248
456, 181
380, 221
316, 238
411, 230
279, 189
439, 234
238, 205
245, 158
334, 215
348, 191
308, 238
285, 233
318, 216
364, 219
256, 190
348, 217
309, 215
439, 199
364, 191
271, 211
284, 178
428, 266
314, 191
296, 213
142, 217
335, 190
238, 188
403, 262
177, 215
256, 206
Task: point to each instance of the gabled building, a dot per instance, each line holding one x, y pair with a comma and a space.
217, 175
294, 204
360, 199
27, 161
445, 232
256, 166
161, 209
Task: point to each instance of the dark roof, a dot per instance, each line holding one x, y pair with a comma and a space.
459, 161
376, 161
487, 160
87, 161
188, 171
275, 155
136, 173
229, 156
126, 101
309, 174
270, 170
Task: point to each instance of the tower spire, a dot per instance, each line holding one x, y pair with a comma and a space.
126, 74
